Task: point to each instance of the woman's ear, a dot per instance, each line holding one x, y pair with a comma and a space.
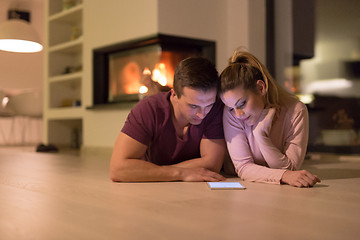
261, 87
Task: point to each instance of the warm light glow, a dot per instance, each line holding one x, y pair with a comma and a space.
4, 102
147, 71
328, 85
130, 78
306, 98
159, 74
17, 35
15, 45
162, 66
143, 89
162, 81
156, 75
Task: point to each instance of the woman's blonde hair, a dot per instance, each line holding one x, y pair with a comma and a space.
245, 70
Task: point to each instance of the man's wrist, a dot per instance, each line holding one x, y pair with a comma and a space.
176, 173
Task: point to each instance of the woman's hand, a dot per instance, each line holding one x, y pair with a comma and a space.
300, 178
265, 122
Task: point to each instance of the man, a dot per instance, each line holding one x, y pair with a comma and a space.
177, 135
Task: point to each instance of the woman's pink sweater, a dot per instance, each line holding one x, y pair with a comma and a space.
266, 158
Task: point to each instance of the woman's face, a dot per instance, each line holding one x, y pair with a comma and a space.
245, 104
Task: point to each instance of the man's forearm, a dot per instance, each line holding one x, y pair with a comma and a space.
133, 170
141, 171
201, 163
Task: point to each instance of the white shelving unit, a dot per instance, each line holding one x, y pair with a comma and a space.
63, 108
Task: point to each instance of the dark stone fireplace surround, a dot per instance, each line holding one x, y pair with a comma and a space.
204, 48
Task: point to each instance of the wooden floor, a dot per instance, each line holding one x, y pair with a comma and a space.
64, 196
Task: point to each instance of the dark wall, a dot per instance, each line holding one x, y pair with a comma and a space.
322, 110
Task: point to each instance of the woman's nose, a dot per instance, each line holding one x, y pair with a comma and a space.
239, 112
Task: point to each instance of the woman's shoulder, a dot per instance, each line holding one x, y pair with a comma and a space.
297, 105
294, 108
293, 104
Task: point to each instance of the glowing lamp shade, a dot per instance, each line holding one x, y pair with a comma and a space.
17, 35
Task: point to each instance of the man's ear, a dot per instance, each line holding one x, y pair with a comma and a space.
261, 87
173, 93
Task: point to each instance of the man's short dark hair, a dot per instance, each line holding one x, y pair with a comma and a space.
197, 73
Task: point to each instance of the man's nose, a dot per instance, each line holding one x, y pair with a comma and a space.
201, 113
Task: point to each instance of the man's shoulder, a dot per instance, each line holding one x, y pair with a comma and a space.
154, 102
147, 117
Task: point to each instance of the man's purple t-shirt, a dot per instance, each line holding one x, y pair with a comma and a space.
150, 123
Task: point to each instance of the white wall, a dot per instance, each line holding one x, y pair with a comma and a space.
227, 22
105, 23
205, 19
22, 70
257, 29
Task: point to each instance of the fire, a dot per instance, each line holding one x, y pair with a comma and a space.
143, 89
153, 81
162, 81
147, 71
159, 74
146, 82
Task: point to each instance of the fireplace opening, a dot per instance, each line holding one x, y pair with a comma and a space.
132, 70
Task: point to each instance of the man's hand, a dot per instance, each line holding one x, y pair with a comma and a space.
265, 122
300, 178
200, 175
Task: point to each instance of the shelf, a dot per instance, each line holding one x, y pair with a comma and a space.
69, 16
65, 113
74, 46
65, 77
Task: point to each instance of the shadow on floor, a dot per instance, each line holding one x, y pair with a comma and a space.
326, 174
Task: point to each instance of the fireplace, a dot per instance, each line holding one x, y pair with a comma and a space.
132, 70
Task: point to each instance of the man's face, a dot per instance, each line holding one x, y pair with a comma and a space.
194, 105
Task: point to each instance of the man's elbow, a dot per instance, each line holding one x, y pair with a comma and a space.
216, 165
114, 176
117, 173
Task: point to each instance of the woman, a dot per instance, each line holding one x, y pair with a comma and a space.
266, 127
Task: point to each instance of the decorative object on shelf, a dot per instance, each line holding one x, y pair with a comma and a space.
70, 102
343, 134
17, 35
342, 120
67, 4
72, 69
76, 33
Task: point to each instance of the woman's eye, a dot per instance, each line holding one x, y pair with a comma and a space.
231, 109
241, 105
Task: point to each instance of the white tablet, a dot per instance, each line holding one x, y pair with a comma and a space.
225, 185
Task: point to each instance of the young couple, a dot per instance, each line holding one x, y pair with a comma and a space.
179, 135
